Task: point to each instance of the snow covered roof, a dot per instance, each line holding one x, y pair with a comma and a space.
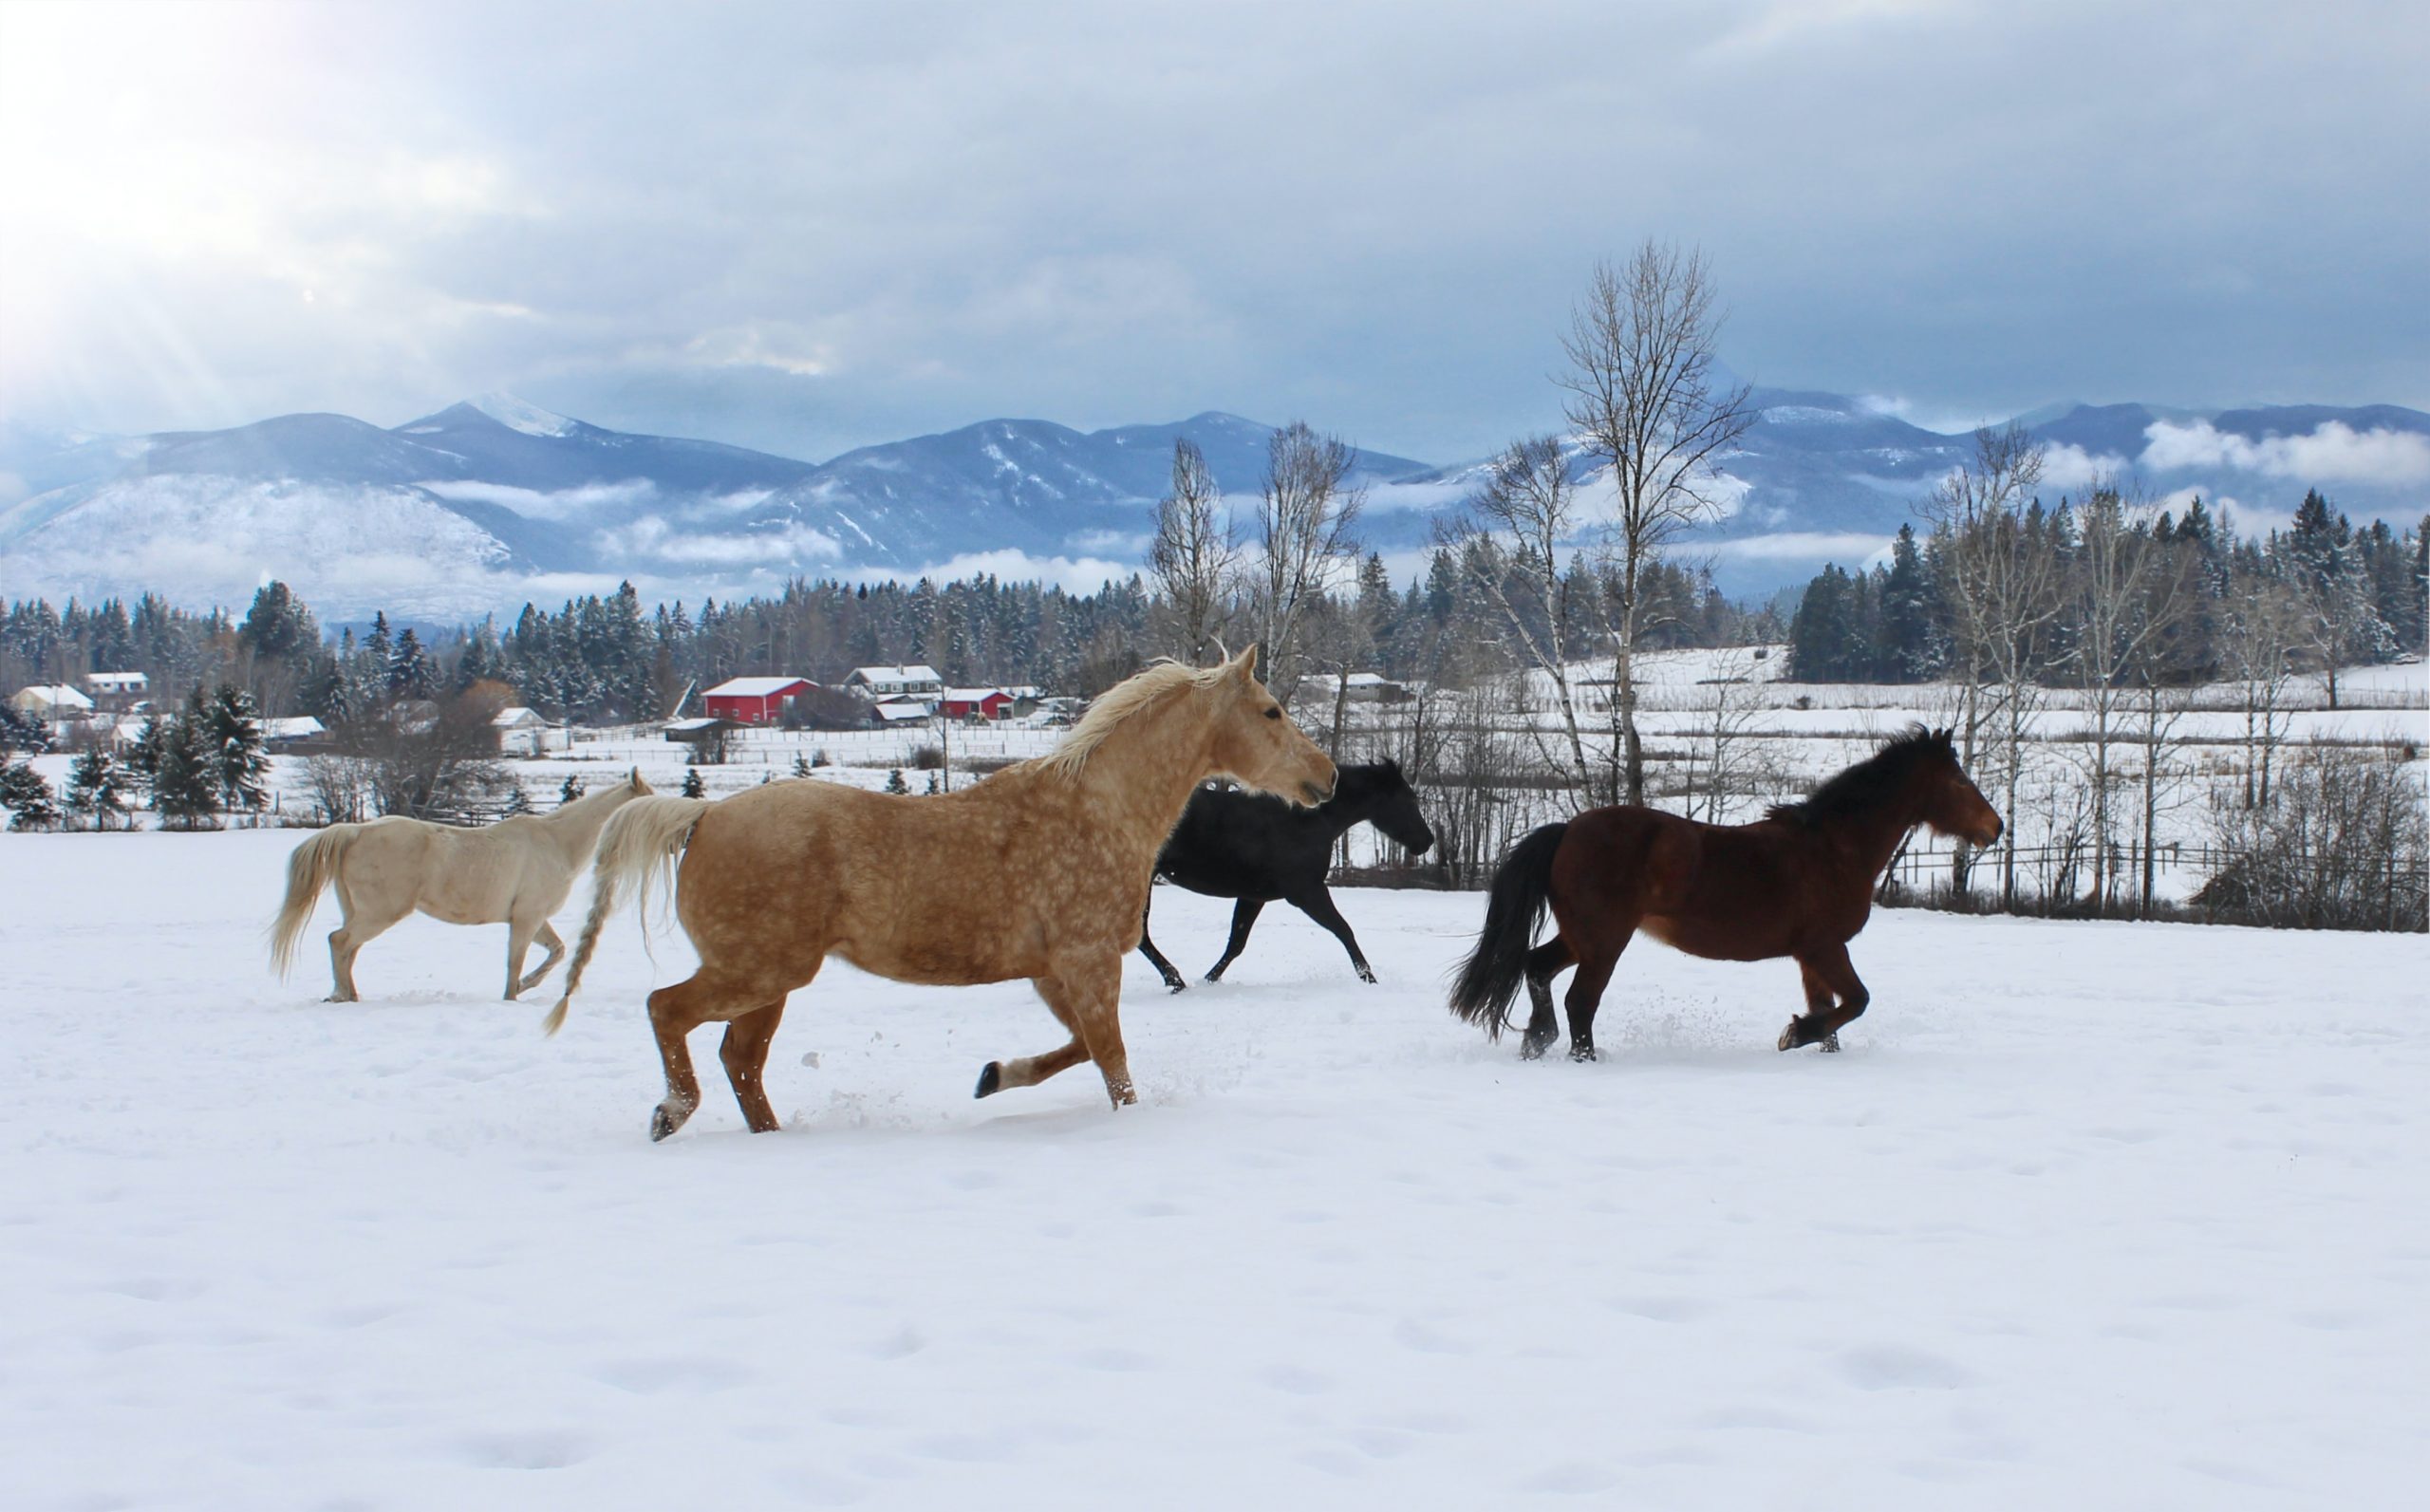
917, 672
295, 727
686, 726
117, 682
973, 695
902, 710
52, 696
520, 718
752, 687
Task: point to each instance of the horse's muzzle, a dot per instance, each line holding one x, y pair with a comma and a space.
1317, 794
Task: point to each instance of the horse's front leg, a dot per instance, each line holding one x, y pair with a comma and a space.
1834, 997
1028, 1071
1319, 907
1086, 995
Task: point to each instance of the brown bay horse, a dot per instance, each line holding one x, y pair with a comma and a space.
1797, 882
1040, 872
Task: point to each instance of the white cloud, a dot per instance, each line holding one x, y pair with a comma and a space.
653, 537
2065, 465
1789, 546
2333, 453
557, 505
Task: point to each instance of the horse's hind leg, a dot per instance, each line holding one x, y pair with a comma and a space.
1243, 920
1155, 957
1545, 962
516, 945
1088, 999
674, 1013
744, 1051
354, 931
1828, 974
1318, 906
1594, 967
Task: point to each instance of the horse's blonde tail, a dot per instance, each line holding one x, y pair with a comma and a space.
311, 869
639, 844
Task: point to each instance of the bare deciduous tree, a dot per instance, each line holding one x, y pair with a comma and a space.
1509, 544
2131, 593
1645, 400
1195, 556
1305, 512
2001, 586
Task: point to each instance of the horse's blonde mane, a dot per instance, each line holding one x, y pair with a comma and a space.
1119, 703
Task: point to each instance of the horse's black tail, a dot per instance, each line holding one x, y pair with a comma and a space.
1490, 977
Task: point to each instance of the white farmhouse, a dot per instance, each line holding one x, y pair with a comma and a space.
917, 681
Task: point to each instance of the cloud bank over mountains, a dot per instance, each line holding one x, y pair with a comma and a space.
486, 504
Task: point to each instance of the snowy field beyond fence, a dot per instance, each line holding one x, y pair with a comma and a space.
2088, 1216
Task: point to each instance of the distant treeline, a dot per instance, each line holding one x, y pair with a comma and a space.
2067, 585
604, 657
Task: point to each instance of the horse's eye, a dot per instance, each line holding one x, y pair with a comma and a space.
1274, 714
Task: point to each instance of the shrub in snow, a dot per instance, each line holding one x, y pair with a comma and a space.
27, 797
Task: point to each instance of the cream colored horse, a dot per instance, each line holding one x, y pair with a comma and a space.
1040, 872
517, 872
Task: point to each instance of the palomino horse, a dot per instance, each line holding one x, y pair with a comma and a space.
1797, 882
1040, 872
1251, 847
515, 872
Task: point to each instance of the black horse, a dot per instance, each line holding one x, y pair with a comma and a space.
1247, 846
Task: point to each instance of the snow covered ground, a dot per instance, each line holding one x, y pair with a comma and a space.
2089, 1215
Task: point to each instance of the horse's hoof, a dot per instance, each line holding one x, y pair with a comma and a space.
1366, 976
1175, 985
662, 1123
991, 1079
1582, 1053
1534, 1049
1123, 1096
1831, 1043
1788, 1037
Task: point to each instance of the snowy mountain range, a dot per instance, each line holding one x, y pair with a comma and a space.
493, 501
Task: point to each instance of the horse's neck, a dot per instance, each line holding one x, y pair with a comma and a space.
1871, 840
575, 825
1138, 779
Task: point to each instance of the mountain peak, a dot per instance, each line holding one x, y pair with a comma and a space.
520, 414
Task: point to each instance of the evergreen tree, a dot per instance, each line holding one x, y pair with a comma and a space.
410, 674
97, 789
1907, 614
20, 731
894, 782
693, 787
517, 802
234, 738
571, 790
25, 793
801, 765
185, 787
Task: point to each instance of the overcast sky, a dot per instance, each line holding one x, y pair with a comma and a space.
806, 229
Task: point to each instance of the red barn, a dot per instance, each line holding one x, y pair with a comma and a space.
753, 700
967, 703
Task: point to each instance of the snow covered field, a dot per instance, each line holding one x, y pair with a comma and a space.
2089, 1215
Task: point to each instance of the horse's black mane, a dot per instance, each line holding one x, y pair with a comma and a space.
1871, 782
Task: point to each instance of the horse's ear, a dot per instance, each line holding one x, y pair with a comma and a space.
1245, 665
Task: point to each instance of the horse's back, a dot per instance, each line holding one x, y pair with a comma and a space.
1729, 893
